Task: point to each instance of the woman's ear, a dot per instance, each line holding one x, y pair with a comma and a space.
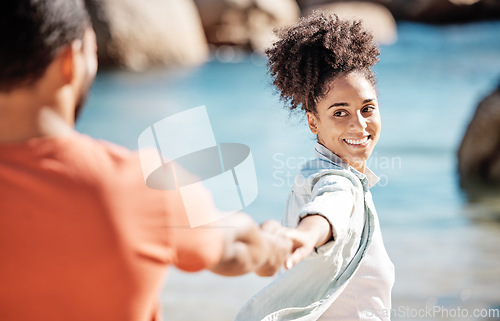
312, 120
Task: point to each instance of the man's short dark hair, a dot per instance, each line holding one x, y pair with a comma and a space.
31, 34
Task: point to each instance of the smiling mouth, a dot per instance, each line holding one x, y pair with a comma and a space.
358, 142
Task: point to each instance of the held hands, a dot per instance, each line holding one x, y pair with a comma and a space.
312, 231
279, 247
248, 247
265, 249
303, 246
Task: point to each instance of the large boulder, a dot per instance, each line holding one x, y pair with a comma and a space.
445, 11
140, 34
375, 18
245, 23
434, 11
479, 153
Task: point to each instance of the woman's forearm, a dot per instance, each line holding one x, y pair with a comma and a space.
317, 227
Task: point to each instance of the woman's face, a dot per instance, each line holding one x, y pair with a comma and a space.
347, 119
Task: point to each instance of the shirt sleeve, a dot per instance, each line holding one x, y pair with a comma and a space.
332, 197
200, 247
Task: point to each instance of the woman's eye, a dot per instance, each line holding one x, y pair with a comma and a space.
340, 113
368, 109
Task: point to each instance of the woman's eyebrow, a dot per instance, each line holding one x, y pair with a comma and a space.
339, 105
343, 104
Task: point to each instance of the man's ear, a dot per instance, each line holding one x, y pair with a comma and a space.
68, 56
312, 120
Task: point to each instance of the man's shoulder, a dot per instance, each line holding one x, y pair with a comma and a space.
75, 152
104, 159
82, 143
100, 153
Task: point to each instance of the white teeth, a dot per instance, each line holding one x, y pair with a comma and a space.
357, 141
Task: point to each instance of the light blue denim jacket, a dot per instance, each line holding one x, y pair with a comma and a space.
329, 187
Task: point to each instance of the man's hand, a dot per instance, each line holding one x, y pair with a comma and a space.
279, 247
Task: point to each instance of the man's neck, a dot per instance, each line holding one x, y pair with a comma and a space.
24, 115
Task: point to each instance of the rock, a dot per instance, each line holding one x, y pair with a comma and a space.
433, 11
245, 23
445, 11
375, 18
479, 152
305, 4
141, 34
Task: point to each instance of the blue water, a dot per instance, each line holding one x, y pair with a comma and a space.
430, 82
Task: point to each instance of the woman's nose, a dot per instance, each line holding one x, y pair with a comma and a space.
359, 121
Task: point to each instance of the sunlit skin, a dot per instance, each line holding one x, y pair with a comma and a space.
347, 120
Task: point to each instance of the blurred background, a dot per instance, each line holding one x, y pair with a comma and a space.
438, 158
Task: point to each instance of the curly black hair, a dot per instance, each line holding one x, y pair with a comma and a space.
310, 54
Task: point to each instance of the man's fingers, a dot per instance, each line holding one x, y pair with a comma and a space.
266, 271
280, 247
272, 226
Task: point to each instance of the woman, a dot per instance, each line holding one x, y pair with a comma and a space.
322, 66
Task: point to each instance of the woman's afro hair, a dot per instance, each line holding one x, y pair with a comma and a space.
311, 53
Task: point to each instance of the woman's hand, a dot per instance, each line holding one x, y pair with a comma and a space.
312, 231
303, 245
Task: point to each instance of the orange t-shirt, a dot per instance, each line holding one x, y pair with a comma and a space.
83, 238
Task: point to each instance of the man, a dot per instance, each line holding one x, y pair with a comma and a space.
81, 235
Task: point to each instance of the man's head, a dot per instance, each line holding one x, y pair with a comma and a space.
31, 34
34, 33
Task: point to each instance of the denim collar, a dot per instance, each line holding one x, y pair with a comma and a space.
369, 178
